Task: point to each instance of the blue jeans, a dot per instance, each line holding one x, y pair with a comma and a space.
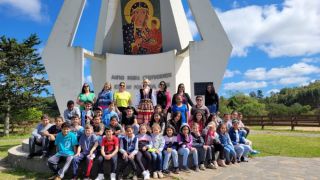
113, 161
242, 150
157, 161
53, 164
229, 152
212, 108
167, 156
185, 153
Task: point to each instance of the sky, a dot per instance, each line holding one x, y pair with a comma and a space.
276, 43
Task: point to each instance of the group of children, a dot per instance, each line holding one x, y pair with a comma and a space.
118, 140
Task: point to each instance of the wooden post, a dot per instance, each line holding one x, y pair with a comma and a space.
292, 123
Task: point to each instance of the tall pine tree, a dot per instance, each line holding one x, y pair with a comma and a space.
21, 76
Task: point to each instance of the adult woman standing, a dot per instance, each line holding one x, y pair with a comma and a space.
85, 96
146, 101
211, 99
185, 96
122, 98
105, 97
163, 97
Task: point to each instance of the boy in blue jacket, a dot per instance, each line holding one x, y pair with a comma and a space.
239, 142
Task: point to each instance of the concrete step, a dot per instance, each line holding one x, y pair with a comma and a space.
25, 146
17, 158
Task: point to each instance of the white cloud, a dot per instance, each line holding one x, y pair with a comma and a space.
290, 30
230, 74
273, 91
293, 71
292, 80
32, 9
88, 79
311, 60
242, 85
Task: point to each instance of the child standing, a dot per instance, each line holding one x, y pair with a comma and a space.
156, 150
115, 126
109, 153
88, 144
225, 140
183, 108
76, 128
157, 118
87, 114
198, 118
66, 142
170, 149
128, 149
184, 139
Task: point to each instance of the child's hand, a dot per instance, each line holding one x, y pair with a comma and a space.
169, 150
205, 147
193, 149
144, 148
107, 157
131, 156
157, 151
125, 155
78, 154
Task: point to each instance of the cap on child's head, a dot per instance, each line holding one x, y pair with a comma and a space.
235, 121
65, 125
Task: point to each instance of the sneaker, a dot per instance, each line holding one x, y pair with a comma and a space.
238, 160
211, 166
186, 169
146, 174
86, 178
202, 167
134, 177
215, 164
155, 175
228, 163
113, 176
52, 177
100, 176
160, 175
30, 156
245, 159
221, 163
57, 178
196, 169
254, 152
176, 170
166, 172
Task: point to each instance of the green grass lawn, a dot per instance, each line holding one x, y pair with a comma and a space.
276, 145
7, 142
287, 129
21, 174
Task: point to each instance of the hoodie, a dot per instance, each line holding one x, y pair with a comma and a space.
184, 141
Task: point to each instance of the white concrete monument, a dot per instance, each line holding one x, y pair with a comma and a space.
137, 39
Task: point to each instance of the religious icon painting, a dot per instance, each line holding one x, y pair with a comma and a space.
141, 26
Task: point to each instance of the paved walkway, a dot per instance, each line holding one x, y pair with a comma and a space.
262, 168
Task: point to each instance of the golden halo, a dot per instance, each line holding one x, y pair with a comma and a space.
129, 5
152, 19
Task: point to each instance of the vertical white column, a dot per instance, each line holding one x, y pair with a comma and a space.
64, 64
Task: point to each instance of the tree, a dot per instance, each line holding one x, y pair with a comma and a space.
253, 94
21, 76
259, 94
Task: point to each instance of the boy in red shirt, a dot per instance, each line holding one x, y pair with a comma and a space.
109, 150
